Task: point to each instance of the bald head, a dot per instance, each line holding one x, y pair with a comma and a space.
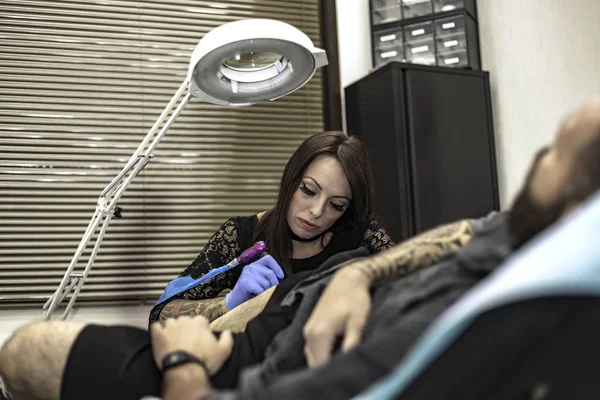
32, 361
580, 128
577, 146
562, 176
584, 120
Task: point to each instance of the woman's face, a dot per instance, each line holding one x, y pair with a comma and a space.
321, 198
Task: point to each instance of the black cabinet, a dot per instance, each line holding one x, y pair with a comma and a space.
429, 134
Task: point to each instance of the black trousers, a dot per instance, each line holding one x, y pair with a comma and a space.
115, 362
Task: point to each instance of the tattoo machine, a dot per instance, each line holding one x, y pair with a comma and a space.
183, 283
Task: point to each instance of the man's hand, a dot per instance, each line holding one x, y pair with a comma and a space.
341, 311
190, 334
345, 303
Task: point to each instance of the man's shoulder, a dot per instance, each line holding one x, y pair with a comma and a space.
491, 220
490, 245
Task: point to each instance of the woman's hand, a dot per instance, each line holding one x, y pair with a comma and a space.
255, 279
190, 334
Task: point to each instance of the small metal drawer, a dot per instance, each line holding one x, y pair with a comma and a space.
447, 5
387, 38
384, 55
418, 32
455, 59
416, 8
421, 52
384, 11
451, 25
453, 42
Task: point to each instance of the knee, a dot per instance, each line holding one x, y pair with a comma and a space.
33, 359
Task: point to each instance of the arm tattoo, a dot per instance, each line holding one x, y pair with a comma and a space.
209, 308
419, 252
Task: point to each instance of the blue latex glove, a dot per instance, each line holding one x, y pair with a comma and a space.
255, 279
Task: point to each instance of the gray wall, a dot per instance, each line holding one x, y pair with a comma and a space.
544, 59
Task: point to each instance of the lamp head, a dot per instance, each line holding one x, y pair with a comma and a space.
243, 62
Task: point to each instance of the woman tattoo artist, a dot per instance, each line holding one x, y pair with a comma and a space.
324, 207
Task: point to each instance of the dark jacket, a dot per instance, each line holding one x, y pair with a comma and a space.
400, 313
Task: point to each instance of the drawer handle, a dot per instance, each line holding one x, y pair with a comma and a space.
388, 54
420, 49
387, 38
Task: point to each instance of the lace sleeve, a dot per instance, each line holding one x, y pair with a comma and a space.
376, 238
221, 248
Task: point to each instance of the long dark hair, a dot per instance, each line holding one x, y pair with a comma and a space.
349, 151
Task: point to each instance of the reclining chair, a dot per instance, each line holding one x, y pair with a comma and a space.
529, 331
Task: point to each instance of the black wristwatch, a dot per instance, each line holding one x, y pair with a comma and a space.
178, 358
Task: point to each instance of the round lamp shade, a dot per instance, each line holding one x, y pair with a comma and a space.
243, 62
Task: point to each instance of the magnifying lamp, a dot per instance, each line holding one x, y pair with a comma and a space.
237, 64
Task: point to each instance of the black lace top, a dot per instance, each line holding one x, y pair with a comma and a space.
236, 235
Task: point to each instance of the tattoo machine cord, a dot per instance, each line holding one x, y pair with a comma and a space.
183, 283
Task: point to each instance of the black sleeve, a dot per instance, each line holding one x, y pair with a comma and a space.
249, 347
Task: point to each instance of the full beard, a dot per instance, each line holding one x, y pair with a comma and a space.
527, 219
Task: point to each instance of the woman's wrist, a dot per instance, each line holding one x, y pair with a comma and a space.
226, 301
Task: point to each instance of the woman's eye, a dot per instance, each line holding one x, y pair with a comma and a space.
337, 207
306, 190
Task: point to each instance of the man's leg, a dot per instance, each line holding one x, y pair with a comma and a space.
237, 319
65, 360
33, 360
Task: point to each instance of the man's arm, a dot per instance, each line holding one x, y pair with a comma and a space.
419, 252
189, 334
186, 382
237, 319
344, 305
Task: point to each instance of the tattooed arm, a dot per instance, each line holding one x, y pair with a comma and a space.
209, 308
237, 319
344, 305
419, 252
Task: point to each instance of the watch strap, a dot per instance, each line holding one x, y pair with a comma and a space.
178, 358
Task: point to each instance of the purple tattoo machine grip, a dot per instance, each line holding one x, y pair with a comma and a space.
184, 283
